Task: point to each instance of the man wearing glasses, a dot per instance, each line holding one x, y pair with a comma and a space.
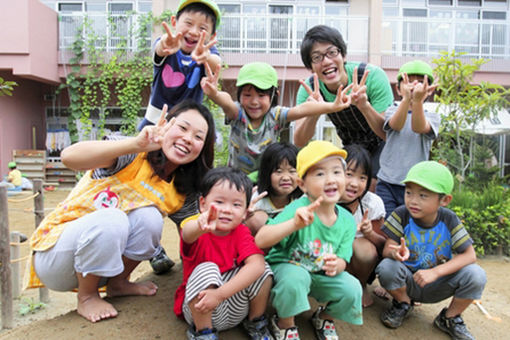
323, 51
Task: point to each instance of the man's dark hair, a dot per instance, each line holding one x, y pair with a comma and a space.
323, 34
235, 177
197, 7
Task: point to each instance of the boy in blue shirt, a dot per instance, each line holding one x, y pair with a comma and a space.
422, 268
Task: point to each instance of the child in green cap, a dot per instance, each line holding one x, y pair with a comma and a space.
179, 57
311, 242
256, 119
410, 131
14, 179
419, 264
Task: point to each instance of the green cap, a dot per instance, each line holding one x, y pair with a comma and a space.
11, 165
211, 4
416, 67
431, 175
258, 74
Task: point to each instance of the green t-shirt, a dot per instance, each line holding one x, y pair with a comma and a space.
306, 247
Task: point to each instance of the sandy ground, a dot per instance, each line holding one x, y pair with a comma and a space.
152, 317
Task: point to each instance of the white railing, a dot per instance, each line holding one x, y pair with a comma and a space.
112, 32
282, 33
427, 36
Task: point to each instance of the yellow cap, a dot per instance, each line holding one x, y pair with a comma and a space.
314, 152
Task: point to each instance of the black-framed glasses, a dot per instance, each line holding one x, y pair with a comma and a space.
319, 57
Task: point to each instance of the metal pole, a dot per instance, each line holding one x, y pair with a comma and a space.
44, 295
5, 261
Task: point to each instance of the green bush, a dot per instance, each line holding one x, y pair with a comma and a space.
485, 214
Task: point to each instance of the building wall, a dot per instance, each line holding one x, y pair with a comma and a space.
18, 115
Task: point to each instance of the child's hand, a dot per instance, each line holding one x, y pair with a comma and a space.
400, 252
170, 44
406, 89
207, 220
254, 199
359, 91
209, 83
423, 90
305, 215
342, 100
208, 300
330, 266
202, 50
425, 276
151, 136
366, 225
314, 95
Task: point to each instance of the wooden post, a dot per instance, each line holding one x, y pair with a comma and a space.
5, 261
44, 295
15, 267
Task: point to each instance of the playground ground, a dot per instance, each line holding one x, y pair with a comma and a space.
152, 317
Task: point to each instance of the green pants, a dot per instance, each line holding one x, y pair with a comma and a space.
293, 285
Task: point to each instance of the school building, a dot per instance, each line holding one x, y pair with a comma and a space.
37, 35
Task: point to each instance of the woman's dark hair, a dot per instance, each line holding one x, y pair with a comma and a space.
271, 159
235, 177
323, 34
197, 7
272, 92
358, 157
188, 176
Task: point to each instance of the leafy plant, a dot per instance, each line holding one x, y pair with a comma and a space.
6, 87
28, 305
465, 105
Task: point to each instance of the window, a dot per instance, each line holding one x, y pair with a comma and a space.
471, 3
440, 2
493, 15
281, 28
229, 33
120, 25
70, 7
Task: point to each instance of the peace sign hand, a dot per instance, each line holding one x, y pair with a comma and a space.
305, 215
207, 220
366, 225
314, 95
151, 136
170, 43
423, 90
255, 198
342, 100
400, 252
359, 91
406, 88
209, 83
202, 50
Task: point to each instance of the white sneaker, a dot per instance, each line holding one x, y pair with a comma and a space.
282, 334
324, 329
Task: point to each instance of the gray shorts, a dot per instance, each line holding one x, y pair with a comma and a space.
230, 312
95, 243
467, 283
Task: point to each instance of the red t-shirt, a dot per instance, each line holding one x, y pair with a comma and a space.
228, 252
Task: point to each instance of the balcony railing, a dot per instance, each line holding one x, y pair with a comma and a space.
108, 31
427, 36
282, 33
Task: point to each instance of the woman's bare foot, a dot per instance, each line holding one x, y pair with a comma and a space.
122, 287
94, 309
366, 300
